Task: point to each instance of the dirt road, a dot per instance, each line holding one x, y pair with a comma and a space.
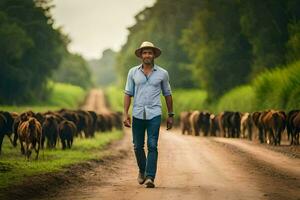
189, 168
95, 101
195, 168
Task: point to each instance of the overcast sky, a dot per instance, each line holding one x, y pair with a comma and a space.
95, 25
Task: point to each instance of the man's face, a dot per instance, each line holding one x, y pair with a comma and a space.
147, 56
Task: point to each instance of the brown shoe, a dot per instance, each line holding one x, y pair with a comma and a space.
149, 183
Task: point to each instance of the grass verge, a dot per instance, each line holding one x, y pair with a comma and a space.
14, 168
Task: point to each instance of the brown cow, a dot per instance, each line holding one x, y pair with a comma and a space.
50, 131
6, 126
274, 123
230, 123
193, 120
184, 122
294, 126
67, 130
30, 135
204, 122
246, 126
214, 125
18, 120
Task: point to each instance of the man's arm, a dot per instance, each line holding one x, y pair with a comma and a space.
169, 102
127, 102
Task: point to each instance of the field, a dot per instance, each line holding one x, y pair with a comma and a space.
14, 167
62, 96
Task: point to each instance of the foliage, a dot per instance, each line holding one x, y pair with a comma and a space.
220, 53
241, 98
216, 45
115, 96
62, 96
73, 70
30, 49
103, 70
161, 24
279, 88
185, 100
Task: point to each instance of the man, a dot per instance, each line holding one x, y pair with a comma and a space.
145, 83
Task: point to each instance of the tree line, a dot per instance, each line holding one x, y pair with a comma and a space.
32, 52
216, 44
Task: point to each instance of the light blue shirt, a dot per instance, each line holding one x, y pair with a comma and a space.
146, 91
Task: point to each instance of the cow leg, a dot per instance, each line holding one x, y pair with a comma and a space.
250, 132
63, 143
9, 137
260, 135
42, 141
37, 150
22, 147
1, 141
55, 141
197, 131
69, 143
28, 151
15, 139
182, 131
272, 137
278, 137
297, 138
243, 130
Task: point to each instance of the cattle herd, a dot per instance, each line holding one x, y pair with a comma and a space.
32, 130
269, 125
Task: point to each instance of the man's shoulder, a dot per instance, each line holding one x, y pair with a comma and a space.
159, 68
132, 69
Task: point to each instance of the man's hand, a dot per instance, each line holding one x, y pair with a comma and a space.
169, 123
127, 120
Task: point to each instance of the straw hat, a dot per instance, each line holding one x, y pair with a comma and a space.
147, 44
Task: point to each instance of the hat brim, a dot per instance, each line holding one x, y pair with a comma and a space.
156, 51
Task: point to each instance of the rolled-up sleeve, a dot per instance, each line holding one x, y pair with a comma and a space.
165, 85
129, 88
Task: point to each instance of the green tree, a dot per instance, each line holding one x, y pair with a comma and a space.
74, 70
293, 43
36, 49
220, 53
265, 25
103, 69
161, 24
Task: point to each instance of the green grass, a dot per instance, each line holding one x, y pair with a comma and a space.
185, 100
238, 99
279, 88
62, 96
115, 98
14, 168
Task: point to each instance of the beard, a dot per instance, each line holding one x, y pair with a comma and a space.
148, 61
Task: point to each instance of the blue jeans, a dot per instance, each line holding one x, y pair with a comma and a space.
147, 165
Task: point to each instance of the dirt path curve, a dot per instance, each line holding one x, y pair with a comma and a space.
195, 168
96, 101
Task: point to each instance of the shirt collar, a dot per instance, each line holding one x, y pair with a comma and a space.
154, 67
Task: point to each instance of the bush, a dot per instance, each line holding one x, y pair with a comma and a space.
279, 88
238, 99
